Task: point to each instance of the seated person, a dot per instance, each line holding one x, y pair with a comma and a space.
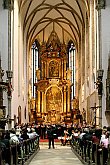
64, 138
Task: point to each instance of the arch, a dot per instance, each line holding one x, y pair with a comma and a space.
53, 86
62, 8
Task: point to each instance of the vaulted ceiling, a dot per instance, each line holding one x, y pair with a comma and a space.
65, 17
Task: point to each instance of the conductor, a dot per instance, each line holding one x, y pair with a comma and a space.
50, 135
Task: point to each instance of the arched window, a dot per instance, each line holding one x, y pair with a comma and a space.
35, 64
72, 67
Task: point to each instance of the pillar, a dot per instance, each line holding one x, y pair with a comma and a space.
62, 102
100, 5
42, 70
65, 70
42, 102
100, 111
45, 69
64, 99
62, 69
38, 102
9, 4
68, 98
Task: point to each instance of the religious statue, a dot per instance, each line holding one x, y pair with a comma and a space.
63, 48
53, 45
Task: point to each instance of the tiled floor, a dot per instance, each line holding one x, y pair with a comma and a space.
61, 155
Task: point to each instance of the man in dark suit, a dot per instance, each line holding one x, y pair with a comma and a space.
50, 135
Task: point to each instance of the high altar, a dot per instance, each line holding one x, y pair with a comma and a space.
53, 88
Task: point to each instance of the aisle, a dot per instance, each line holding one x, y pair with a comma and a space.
61, 155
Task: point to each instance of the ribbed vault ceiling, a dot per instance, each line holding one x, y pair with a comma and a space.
65, 17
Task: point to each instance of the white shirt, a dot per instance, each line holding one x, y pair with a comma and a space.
105, 142
14, 138
75, 134
102, 138
81, 135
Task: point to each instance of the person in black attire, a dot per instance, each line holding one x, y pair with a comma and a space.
86, 137
43, 130
38, 129
50, 135
24, 135
5, 139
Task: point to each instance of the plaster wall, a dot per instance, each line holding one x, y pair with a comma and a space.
19, 68
4, 46
4, 36
105, 30
15, 100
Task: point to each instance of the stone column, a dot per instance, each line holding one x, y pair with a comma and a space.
100, 111
9, 4
100, 5
9, 77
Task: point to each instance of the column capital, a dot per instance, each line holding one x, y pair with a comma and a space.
100, 5
9, 74
8, 4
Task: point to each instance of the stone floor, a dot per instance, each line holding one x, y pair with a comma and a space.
61, 155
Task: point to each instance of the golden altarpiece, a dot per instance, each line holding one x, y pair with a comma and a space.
53, 88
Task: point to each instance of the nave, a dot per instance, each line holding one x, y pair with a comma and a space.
61, 155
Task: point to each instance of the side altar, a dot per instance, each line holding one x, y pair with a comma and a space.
53, 87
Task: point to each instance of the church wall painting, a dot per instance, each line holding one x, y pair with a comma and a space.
53, 69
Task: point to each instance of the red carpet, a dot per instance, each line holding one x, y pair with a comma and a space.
46, 140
